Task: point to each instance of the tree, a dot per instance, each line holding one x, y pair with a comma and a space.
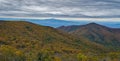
44, 56
81, 57
57, 59
9, 53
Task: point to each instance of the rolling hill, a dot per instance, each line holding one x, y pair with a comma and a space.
109, 37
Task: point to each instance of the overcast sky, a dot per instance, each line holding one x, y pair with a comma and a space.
61, 8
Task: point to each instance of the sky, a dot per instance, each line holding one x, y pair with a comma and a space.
70, 9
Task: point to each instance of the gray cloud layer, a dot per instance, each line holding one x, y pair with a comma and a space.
61, 8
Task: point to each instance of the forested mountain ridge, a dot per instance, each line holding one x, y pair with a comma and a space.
106, 36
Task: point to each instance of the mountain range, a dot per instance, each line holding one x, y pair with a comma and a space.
58, 22
26, 41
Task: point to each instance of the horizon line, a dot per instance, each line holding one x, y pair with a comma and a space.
69, 19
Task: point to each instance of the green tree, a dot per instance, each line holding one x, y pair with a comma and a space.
44, 56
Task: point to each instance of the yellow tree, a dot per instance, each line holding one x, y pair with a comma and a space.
81, 57
57, 59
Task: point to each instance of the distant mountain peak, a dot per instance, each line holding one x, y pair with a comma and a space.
75, 27
93, 23
53, 19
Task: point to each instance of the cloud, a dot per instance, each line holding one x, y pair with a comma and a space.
61, 8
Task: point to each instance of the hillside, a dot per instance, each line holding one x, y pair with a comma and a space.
109, 37
22, 40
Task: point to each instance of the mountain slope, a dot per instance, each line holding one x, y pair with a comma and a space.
106, 36
16, 31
